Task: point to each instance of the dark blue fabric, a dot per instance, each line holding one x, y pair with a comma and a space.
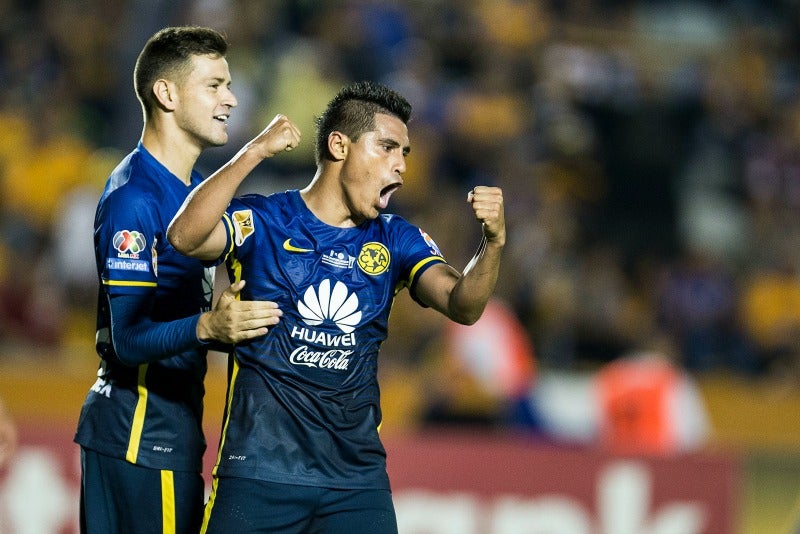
304, 399
138, 339
118, 497
247, 506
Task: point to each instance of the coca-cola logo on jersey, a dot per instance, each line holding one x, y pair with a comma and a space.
323, 305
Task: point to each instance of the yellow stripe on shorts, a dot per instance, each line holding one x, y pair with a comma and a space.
167, 502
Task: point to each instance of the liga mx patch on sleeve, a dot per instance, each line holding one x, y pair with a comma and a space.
129, 243
243, 225
430, 242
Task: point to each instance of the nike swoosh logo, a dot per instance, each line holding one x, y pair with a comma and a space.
291, 248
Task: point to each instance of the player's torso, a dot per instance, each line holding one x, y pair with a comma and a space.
335, 287
305, 403
151, 412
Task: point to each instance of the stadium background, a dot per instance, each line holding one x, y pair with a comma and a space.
650, 156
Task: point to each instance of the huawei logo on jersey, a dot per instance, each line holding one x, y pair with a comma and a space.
335, 305
323, 350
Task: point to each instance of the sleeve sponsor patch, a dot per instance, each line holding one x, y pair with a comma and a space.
243, 225
122, 264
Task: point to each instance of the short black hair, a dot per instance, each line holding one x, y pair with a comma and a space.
168, 53
352, 111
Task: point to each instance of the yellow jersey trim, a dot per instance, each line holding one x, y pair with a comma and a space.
128, 283
209, 506
229, 226
418, 266
138, 417
234, 373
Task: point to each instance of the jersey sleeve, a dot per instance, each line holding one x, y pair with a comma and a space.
239, 225
138, 339
125, 243
417, 252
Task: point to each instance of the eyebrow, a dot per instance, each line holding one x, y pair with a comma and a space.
218, 79
394, 144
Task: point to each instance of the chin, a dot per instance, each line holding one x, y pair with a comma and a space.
219, 141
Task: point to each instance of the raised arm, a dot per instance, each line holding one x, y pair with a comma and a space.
197, 229
463, 296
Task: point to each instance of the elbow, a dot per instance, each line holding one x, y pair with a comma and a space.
125, 354
192, 242
178, 241
465, 312
124, 350
467, 318
174, 238
126, 361
471, 320
114, 351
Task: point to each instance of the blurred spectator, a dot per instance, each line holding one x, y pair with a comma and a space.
8, 436
610, 316
648, 405
770, 307
697, 305
632, 138
482, 373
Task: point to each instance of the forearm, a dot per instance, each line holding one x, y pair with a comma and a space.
192, 226
137, 339
474, 288
192, 230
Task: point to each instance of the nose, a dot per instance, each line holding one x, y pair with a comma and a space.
229, 99
400, 166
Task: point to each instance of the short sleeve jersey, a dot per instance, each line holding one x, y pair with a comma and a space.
150, 414
303, 401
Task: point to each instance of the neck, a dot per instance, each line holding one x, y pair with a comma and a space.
174, 153
325, 198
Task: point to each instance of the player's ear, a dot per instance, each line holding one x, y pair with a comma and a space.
165, 93
338, 145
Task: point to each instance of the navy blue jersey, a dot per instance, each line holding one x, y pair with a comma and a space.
303, 401
149, 414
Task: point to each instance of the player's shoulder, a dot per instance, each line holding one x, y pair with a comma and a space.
269, 204
126, 192
406, 235
392, 219
394, 223
131, 195
132, 174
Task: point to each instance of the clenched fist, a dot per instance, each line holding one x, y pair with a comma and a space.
487, 203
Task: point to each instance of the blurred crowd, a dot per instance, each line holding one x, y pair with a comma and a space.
649, 152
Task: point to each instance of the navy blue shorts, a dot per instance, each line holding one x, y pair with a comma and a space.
118, 496
247, 506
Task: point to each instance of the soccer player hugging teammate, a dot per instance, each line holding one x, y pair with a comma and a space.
140, 427
300, 450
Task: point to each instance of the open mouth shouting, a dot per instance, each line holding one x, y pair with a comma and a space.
386, 193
